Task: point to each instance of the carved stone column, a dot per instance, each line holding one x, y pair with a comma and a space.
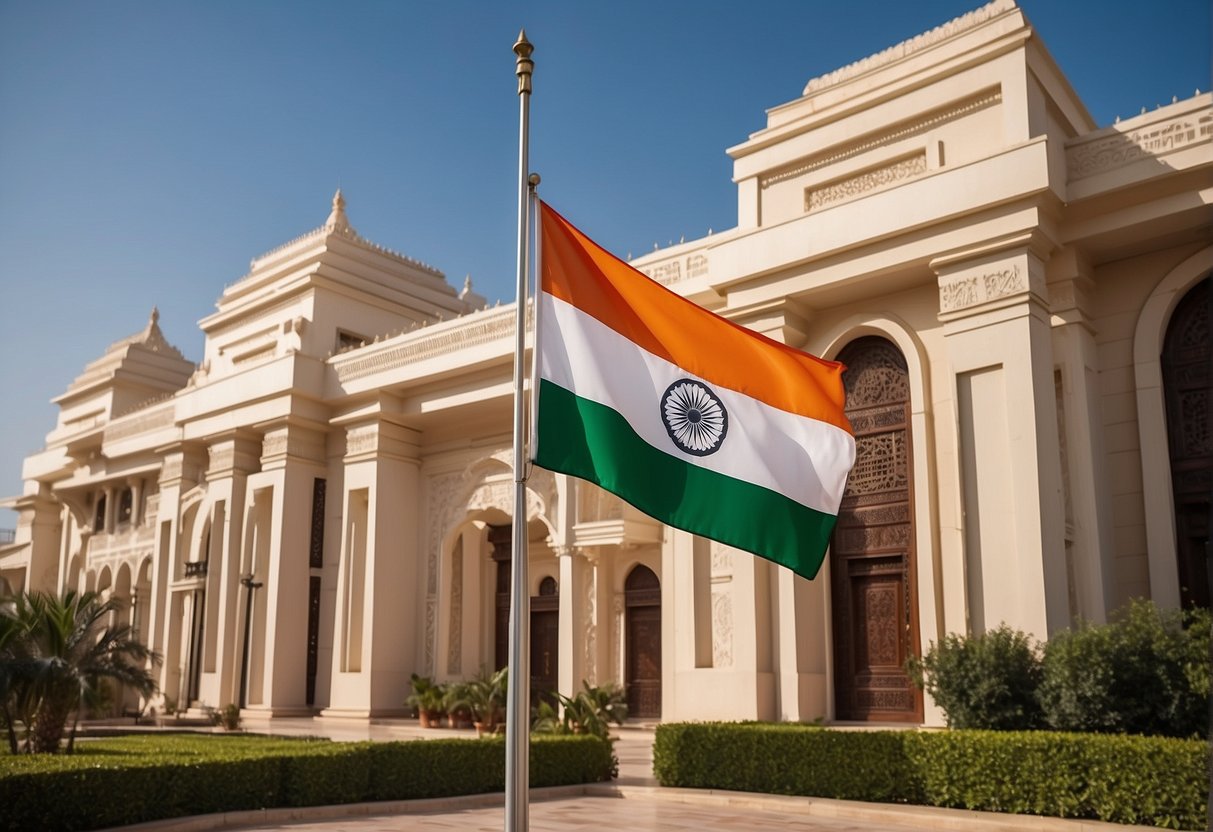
994, 307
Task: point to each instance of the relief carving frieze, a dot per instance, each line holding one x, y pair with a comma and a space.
1091, 157
830, 193
975, 289
722, 627
454, 653
928, 122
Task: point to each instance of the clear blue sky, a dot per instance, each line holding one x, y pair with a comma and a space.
149, 150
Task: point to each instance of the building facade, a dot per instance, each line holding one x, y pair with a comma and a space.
323, 505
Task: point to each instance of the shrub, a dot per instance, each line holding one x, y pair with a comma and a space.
1124, 779
784, 759
984, 681
137, 779
1145, 673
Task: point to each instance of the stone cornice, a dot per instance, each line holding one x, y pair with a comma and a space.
426, 342
904, 131
911, 46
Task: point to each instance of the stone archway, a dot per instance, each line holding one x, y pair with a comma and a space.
873, 593
642, 642
1188, 389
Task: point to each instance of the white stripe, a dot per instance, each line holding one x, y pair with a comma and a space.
801, 458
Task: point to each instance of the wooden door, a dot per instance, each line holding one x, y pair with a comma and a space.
1188, 381
642, 605
872, 552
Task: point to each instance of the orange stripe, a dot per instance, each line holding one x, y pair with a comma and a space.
580, 272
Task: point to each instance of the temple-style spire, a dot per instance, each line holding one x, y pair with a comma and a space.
337, 220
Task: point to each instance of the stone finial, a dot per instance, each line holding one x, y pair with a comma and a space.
154, 318
337, 220
467, 286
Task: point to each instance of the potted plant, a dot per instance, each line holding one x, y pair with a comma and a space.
429, 698
590, 711
484, 697
458, 715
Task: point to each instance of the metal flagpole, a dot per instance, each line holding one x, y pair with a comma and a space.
518, 705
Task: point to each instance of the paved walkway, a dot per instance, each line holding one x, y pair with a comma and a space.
633, 802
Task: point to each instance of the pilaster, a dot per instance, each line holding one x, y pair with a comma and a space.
1080, 433
380, 546
232, 457
574, 572
277, 506
994, 307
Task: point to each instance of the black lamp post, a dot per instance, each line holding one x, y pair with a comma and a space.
250, 587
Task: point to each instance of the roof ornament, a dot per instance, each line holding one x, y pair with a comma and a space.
337, 220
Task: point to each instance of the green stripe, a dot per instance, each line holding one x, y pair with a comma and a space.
591, 441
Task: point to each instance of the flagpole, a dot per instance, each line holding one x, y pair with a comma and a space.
518, 710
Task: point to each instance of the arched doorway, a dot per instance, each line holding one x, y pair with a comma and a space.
642, 638
873, 596
1188, 381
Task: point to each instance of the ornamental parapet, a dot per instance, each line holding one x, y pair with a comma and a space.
1150, 135
427, 341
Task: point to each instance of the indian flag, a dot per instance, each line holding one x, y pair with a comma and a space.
694, 420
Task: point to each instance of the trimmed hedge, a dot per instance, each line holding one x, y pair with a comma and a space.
136, 779
1158, 781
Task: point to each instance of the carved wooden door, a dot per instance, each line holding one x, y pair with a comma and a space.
545, 641
545, 653
1188, 381
872, 551
642, 600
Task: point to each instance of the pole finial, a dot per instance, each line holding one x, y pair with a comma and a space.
524, 66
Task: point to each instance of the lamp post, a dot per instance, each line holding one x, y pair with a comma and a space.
250, 587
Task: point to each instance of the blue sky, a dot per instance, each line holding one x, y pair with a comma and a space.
149, 150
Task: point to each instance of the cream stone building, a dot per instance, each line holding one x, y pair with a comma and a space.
1021, 297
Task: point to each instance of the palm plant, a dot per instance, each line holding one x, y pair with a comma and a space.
55, 652
590, 711
429, 698
484, 697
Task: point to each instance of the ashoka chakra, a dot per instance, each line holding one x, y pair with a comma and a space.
694, 417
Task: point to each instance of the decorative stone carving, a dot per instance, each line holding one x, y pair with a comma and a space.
440, 490
595, 504
722, 560
454, 653
1091, 157
908, 47
840, 190
722, 627
928, 122
361, 440
471, 331
161, 418
974, 289
590, 604
697, 265
617, 636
